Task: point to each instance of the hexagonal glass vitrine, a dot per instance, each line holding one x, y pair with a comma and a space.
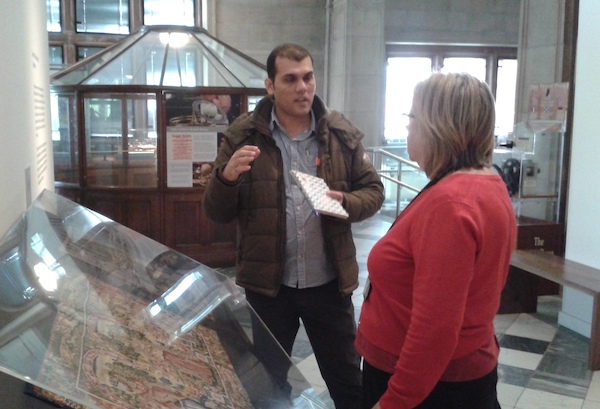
136, 127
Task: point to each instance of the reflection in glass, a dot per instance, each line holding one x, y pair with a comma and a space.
176, 12
121, 140
64, 137
102, 16
113, 319
53, 16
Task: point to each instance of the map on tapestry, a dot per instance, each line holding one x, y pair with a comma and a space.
315, 189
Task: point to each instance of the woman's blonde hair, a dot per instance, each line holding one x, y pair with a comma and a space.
455, 113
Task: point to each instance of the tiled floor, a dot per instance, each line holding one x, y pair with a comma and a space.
541, 365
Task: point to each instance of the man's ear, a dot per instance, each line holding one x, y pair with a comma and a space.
269, 86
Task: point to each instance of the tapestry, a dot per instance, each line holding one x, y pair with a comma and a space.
105, 349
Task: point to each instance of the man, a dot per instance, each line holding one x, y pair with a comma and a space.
292, 263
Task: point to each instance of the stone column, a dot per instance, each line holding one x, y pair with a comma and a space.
540, 49
356, 62
26, 154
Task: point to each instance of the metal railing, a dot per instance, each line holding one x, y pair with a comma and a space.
394, 170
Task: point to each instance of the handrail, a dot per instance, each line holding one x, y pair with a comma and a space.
395, 157
378, 153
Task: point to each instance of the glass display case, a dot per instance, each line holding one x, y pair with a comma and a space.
96, 315
530, 164
136, 128
531, 168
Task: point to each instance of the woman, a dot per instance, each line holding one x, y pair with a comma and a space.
426, 330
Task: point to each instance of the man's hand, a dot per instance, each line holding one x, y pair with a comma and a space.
240, 162
334, 194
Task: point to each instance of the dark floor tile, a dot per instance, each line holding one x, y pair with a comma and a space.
570, 344
523, 344
514, 376
564, 368
575, 388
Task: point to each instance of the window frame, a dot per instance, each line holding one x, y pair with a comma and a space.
437, 53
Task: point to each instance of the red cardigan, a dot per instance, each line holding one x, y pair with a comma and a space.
436, 280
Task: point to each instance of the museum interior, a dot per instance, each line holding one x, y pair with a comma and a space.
116, 289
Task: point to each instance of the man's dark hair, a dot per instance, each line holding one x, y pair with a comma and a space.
288, 50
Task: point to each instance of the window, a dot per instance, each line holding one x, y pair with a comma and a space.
53, 16
55, 58
169, 12
506, 93
473, 66
403, 73
407, 65
102, 16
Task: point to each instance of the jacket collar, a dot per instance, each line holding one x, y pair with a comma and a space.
326, 121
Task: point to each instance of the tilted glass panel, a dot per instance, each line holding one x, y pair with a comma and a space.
191, 66
139, 65
102, 16
249, 73
64, 137
121, 140
140, 60
96, 63
107, 318
179, 12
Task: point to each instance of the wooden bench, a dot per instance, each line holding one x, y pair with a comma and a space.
569, 274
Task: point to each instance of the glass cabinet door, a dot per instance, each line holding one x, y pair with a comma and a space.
121, 140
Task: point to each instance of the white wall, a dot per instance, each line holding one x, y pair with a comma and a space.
583, 215
25, 143
583, 211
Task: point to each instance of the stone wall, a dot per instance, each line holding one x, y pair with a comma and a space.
347, 39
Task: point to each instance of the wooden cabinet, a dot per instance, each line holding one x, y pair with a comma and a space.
190, 232
522, 289
174, 218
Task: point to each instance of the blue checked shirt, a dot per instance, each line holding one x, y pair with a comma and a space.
306, 262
